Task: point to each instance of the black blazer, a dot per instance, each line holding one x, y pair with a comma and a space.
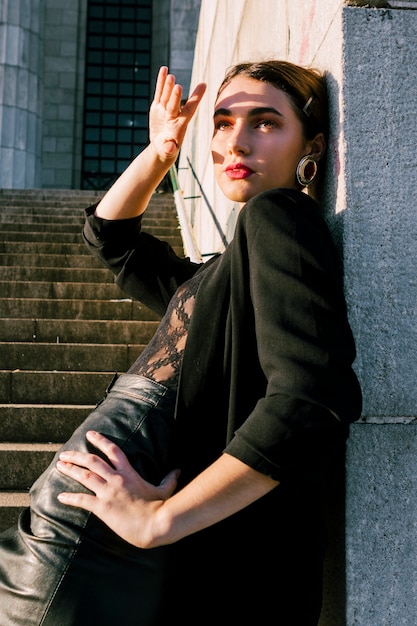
267, 371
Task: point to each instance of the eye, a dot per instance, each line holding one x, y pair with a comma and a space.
267, 124
221, 125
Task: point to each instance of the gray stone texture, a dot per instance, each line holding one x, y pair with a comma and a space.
380, 246
175, 24
41, 91
380, 236
183, 32
20, 92
381, 526
63, 56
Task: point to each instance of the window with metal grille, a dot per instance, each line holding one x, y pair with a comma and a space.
117, 88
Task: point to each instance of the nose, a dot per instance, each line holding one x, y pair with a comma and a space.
238, 141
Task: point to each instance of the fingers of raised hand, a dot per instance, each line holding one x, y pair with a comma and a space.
167, 92
160, 81
194, 100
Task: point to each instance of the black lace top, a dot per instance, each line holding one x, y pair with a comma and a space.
161, 359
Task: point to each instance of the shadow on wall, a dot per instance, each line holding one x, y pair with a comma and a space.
327, 193
334, 594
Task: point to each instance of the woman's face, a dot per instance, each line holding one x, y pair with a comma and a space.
257, 141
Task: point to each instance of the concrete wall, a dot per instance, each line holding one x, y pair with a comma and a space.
184, 24
160, 35
381, 246
174, 29
21, 37
42, 48
368, 54
63, 86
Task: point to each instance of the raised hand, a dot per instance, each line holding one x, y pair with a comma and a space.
120, 497
168, 119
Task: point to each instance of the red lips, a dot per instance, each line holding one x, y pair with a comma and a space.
238, 171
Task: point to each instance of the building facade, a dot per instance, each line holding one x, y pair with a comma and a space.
76, 80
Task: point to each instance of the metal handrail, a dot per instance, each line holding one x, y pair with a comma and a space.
190, 244
210, 208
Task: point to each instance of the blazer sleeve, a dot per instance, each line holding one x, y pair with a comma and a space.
303, 339
145, 267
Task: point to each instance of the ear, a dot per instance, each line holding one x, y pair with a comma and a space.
317, 146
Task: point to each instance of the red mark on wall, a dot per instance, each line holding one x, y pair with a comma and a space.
306, 29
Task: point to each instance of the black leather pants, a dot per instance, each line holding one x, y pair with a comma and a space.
61, 566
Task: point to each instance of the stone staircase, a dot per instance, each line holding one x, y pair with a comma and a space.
65, 328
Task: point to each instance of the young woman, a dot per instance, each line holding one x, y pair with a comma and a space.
246, 388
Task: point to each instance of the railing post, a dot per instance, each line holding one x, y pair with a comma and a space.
190, 245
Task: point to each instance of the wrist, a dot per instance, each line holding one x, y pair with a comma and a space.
158, 529
166, 153
163, 526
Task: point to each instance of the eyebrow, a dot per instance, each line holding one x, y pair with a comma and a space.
252, 113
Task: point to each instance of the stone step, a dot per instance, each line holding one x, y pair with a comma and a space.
39, 387
29, 227
50, 260
22, 463
65, 328
46, 220
58, 260
11, 504
62, 290
65, 198
77, 331
46, 193
152, 214
58, 201
38, 232
60, 274
74, 225
68, 356
122, 308
11, 246
39, 248
156, 211
45, 423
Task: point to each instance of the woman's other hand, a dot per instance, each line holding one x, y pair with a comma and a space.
120, 497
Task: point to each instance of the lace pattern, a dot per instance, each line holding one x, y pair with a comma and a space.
161, 359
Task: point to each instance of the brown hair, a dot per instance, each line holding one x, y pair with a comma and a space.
305, 87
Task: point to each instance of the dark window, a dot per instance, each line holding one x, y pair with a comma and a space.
117, 90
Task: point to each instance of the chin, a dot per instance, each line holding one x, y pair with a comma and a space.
239, 195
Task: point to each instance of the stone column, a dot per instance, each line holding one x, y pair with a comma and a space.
380, 90
21, 28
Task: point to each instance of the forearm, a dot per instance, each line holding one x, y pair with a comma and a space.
224, 488
130, 194
168, 121
146, 515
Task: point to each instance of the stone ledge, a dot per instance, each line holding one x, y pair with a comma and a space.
383, 4
384, 419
